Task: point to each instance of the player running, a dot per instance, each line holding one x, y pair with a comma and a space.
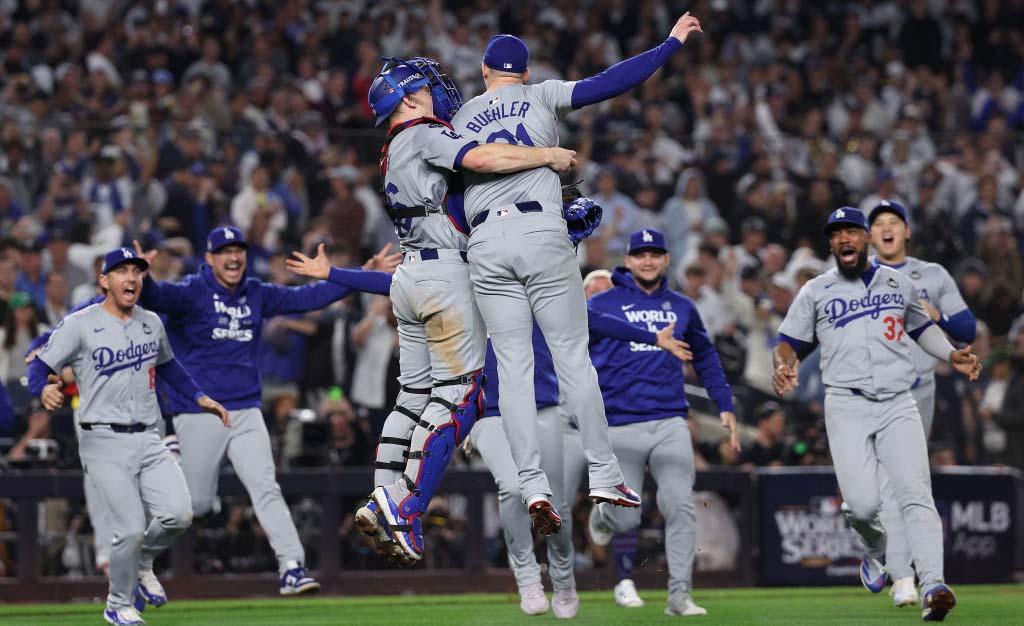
214, 322
947, 309
522, 266
645, 399
862, 315
116, 351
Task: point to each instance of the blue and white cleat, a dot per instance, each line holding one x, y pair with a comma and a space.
295, 580
407, 533
127, 616
619, 495
138, 600
872, 574
370, 522
150, 589
938, 601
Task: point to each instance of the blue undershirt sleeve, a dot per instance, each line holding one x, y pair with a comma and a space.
623, 76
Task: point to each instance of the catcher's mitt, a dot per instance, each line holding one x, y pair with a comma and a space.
582, 215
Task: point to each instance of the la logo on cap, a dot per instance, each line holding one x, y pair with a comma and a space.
127, 253
840, 213
647, 236
228, 234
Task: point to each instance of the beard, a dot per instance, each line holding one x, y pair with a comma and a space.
648, 284
857, 269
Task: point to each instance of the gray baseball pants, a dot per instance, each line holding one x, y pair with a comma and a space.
523, 267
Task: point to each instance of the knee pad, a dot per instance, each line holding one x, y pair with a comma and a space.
429, 461
395, 437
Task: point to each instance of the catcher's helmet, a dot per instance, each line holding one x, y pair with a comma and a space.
400, 77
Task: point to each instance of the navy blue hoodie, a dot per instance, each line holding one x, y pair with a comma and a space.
215, 333
640, 382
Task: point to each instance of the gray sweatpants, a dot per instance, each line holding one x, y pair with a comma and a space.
204, 441
488, 438
132, 473
897, 550
665, 447
523, 267
865, 436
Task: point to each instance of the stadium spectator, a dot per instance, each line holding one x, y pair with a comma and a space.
768, 447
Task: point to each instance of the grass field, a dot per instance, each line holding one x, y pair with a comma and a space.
988, 605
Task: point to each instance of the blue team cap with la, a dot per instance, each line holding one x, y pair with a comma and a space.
224, 236
507, 53
646, 239
888, 205
845, 216
121, 256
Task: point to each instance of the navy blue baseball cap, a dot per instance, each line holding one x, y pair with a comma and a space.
224, 236
121, 256
507, 53
646, 239
890, 206
845, 216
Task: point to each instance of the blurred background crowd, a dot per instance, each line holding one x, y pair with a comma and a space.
158, 120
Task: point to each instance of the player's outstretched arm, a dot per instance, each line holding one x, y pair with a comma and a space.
623, 76
161, 297
933, 341
378, 282
787, 365
604, 325
174, 374
501, 158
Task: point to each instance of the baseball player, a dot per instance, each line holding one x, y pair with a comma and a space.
645, 400
523, 268
214, 322
441, 336
115, 350
940, 297
864, 316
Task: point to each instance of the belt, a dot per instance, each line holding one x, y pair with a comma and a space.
524, 207
399, 213
433, 254
136, 427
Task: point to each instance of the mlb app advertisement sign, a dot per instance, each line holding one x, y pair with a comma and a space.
805, 540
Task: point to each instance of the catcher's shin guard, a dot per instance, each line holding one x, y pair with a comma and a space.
395, 437
444, 426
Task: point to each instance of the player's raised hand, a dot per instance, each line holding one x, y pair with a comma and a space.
676, 347
52, 396
560, 159
384, 260
729, 423
966, 362
685, 26
317, 267
213, 407
142, 254
785, 378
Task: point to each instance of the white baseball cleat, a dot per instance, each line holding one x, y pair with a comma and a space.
600, 533
565, 603
626, 595
682, 604
127, 616
532, 599
151, 589
904, 592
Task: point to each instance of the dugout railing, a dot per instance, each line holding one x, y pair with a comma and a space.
25, 489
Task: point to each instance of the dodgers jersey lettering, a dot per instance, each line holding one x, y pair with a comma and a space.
419, 161
525, 115
935, 285
114, 362
864, 331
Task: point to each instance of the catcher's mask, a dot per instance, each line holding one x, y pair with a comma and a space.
400, 77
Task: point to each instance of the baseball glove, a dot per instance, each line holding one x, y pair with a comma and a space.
582, 215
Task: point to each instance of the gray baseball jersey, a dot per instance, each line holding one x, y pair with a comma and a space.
935, 285
520, 115
419, 161
114, 362
864, 330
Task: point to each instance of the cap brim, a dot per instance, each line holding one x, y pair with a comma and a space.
841, 224
233, 242
143, 264
647, 248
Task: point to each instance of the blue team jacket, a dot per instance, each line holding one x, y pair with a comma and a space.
639, 382
215, 333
